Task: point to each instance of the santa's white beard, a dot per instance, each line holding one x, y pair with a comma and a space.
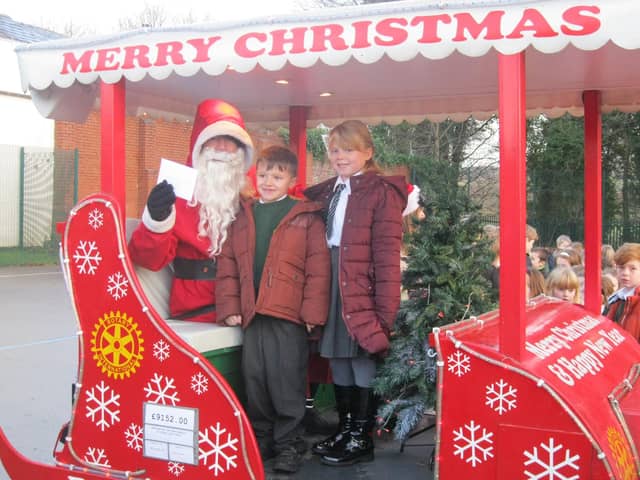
220, 179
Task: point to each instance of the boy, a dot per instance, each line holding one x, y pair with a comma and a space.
623, 306
273, 279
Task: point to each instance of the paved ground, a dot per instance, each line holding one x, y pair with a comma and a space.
38, 356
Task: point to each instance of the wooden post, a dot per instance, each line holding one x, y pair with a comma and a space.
112, 125
513, 207
298, 139
592, 201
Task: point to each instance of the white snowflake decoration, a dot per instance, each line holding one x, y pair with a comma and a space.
87, 257
161, 350
117, 285
163, 390
199, 383
501, 397
105, 413
222, 450
96, 456
549, 466
96, 219
133, 435
472, 445
459, 363
176, 468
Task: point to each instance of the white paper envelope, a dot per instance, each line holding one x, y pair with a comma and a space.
182, 178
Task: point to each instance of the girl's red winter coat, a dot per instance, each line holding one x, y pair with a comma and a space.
369, 273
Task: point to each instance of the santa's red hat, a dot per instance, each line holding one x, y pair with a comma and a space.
413, 200
216, 117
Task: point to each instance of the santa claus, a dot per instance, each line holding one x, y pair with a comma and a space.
191, 233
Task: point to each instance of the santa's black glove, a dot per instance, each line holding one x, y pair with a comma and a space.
161, 199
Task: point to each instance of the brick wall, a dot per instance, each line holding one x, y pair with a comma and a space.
147, 140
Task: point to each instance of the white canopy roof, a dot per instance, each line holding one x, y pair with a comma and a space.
402, 60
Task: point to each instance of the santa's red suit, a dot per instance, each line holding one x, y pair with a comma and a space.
154, 244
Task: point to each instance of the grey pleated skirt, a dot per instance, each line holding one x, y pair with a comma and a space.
335, 341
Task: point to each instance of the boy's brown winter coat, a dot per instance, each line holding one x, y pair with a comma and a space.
369, 255
296, 274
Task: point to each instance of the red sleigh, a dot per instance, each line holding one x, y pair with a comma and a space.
146, 404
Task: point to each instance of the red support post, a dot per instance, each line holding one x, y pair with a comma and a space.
112, 126
592, 200
513, 207
298, 139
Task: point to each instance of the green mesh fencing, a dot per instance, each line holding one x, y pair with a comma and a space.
44, 187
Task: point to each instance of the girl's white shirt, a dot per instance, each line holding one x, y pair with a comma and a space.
341, 208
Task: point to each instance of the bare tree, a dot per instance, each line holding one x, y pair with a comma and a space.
151, 16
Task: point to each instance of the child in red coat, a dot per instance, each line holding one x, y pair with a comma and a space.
364, 233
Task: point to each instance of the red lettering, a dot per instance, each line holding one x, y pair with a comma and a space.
139, 53
107, 59
534, 21
361, 34
327, 33
387, 28
70, 63
202, 48
466, 23
242, 48
588, 23
430, 27
170, 50
296, 39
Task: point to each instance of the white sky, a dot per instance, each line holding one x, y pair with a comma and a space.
103, 16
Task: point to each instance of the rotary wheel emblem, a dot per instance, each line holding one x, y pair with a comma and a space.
117, 345
622, 454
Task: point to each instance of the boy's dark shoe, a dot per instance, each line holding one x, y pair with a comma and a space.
316, 424
288, 460
266, 450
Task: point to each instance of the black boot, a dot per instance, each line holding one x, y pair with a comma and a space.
343, 404
313, 422
358, 445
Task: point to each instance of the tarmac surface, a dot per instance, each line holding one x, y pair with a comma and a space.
38, 358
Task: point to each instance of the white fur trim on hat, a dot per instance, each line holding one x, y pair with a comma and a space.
413, 201
231, 129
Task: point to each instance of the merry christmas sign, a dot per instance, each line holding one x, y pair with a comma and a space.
566, 410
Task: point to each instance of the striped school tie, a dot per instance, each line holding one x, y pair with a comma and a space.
333, 204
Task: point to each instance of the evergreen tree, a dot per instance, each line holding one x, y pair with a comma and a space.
446, 280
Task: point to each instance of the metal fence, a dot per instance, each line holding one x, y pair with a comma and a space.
613, 233
38, 188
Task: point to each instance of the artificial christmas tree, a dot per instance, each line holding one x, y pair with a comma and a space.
446, 279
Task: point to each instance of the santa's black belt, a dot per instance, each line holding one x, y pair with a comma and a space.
194, 269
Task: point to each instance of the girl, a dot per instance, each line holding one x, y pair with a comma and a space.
563, 283
364, 233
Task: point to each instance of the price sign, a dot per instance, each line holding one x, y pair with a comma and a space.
170, 433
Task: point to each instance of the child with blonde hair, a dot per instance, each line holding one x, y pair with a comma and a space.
364, 233
622, 307
563, 283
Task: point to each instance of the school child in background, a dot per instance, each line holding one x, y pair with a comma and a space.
562, 282
534, 283
623, 306
540, 260
364, 233
273, 279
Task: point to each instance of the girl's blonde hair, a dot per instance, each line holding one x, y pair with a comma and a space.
354, 135
563, 278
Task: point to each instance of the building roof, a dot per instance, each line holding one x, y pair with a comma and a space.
24, 33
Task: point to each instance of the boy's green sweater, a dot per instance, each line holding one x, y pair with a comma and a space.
267, 216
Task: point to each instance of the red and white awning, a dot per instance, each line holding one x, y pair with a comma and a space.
402, 60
